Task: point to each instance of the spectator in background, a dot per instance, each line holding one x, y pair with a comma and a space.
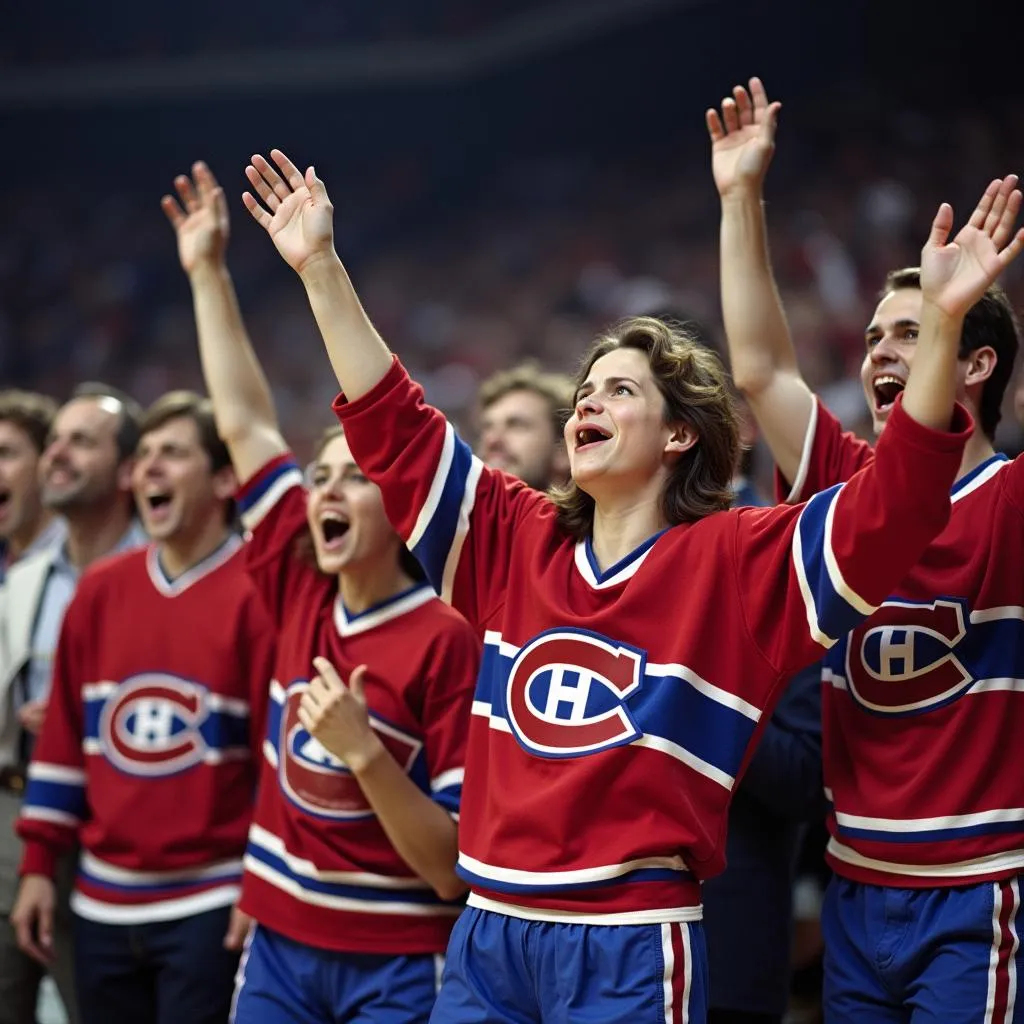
26, 525
85, 476
522, 412
151, 746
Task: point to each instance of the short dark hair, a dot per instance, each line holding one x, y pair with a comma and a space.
129, 414
31, 412
989, 322
555, 388
187, 404
696, 391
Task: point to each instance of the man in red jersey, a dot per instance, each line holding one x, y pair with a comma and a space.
149, 751
927, 831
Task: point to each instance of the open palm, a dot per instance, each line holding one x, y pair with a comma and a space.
295, 210
955, 275
742, 137
199, 217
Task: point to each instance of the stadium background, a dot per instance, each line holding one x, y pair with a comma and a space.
509, 174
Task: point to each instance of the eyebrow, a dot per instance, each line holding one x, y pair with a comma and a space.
904, 323
608, 380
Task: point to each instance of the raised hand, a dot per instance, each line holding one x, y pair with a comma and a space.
954, 275
295, 209
335, 714
199, 217
742, 138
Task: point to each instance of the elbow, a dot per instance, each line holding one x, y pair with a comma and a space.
752, 381
449, 886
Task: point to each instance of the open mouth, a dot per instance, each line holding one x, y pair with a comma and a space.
334, 528
885, 388
5, 502
587, 435
159, 504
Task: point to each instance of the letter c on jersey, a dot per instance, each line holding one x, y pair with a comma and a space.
908, 665
318, 782
567, 690
150, 725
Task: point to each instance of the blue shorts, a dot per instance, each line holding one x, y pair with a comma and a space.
504, 970
284, 982
911, 956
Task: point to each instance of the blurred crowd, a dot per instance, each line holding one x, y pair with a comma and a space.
530, 264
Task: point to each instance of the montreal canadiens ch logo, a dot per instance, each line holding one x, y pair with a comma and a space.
567, 691
150, 725
909, 664
316, 780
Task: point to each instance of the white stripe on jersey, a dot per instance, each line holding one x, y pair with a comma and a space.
1007, 862
127, 877
807, 594
571, 876
935, 824
256, 513
160, 910
433, 499
43, 771
451, 563
621, 917
835, 573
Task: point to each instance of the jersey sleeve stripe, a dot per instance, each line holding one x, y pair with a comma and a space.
461, 530
51, 800
35, 812
45, 772
436, 531
832, 607
257, 497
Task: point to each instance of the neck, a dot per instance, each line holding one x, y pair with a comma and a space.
18, 543
622, 529
362, 588
179, 554
93, 533
977, 450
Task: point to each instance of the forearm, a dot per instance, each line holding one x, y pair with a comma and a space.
356, 351
755, 324
422, 831
234, 378
931, 387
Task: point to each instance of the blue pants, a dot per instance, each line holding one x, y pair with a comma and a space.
161, 973
285, 982
504, 970
918, 956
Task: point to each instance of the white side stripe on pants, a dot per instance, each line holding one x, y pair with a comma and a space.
678, 977
1002, 969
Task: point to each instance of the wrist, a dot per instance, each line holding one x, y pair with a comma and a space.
941, 318
743, 194
319, 267
364, 759
207, 269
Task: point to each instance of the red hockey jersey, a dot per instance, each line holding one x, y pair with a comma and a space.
319, 867
919, 699
149, 753
616, 709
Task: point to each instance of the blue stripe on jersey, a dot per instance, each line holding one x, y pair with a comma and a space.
449, 798
936, 835
511, 888
63, 797
835, 615
253, 490
425, 896
157, 888
431, 550
666, 705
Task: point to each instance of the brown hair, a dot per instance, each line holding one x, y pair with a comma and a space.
555, 388
31, 412
304, 548
187, 404
695, 388
989, 322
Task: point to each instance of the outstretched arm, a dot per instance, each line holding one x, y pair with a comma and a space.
241, 397
297, 214
954, 276
764, 364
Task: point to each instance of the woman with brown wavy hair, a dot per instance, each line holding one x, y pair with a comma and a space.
636, 634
